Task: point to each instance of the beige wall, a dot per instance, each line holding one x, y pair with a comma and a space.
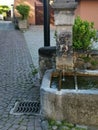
88, 10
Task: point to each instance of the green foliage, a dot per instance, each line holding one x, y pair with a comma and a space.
4, 8
52, 122
23, 10
0, 11
83, 34
34, 70
86, 58
94, 62
63, 125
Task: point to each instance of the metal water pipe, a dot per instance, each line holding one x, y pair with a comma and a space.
46, 23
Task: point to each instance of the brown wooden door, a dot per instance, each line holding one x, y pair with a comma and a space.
39, 17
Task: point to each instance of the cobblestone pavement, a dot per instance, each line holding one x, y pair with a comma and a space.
35, 39
6, 25
16, 82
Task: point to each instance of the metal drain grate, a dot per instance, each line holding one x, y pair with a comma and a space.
21, 108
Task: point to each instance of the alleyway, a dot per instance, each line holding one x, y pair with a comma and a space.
16, 80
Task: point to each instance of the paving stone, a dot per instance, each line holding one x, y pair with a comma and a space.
15, 79
34, 39
22, 128
38, 128
30, 128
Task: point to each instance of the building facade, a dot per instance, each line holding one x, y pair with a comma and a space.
86, 9
36, 11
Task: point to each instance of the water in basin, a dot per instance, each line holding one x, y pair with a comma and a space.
71, 82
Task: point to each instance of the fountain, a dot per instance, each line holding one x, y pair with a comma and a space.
78, 106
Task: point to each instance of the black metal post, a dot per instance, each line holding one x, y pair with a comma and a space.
46, 23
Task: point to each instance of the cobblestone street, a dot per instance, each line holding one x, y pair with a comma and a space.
35, 39
16, 82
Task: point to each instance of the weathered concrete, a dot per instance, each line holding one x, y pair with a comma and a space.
64, 51
62, 4
46, 59
64, 20
76, 106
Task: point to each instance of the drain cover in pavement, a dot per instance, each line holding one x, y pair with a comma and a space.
21, 108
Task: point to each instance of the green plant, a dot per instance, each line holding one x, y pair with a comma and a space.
4, 8
23, 10
63, 125
34, 70
0, 11
86, 58
83, 34
94, 62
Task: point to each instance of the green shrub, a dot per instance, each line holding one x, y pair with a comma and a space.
23, 10
0, 11
83, 34
4, 8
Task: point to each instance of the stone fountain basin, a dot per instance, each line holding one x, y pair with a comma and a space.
75, 106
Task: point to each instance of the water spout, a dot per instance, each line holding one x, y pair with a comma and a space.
76, 85
63, 75
75, 79
60, 81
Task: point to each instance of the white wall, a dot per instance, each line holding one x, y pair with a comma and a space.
6, 2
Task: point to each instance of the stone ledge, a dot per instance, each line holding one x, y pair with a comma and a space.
64, 4
47, 51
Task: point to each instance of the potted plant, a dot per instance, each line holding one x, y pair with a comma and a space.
23, 10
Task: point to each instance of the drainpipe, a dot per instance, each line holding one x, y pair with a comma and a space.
46, 23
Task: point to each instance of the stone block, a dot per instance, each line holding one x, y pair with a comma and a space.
64, 17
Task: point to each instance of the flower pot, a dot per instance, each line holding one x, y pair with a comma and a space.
23, 24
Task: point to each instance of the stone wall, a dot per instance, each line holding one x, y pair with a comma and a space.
46, 59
